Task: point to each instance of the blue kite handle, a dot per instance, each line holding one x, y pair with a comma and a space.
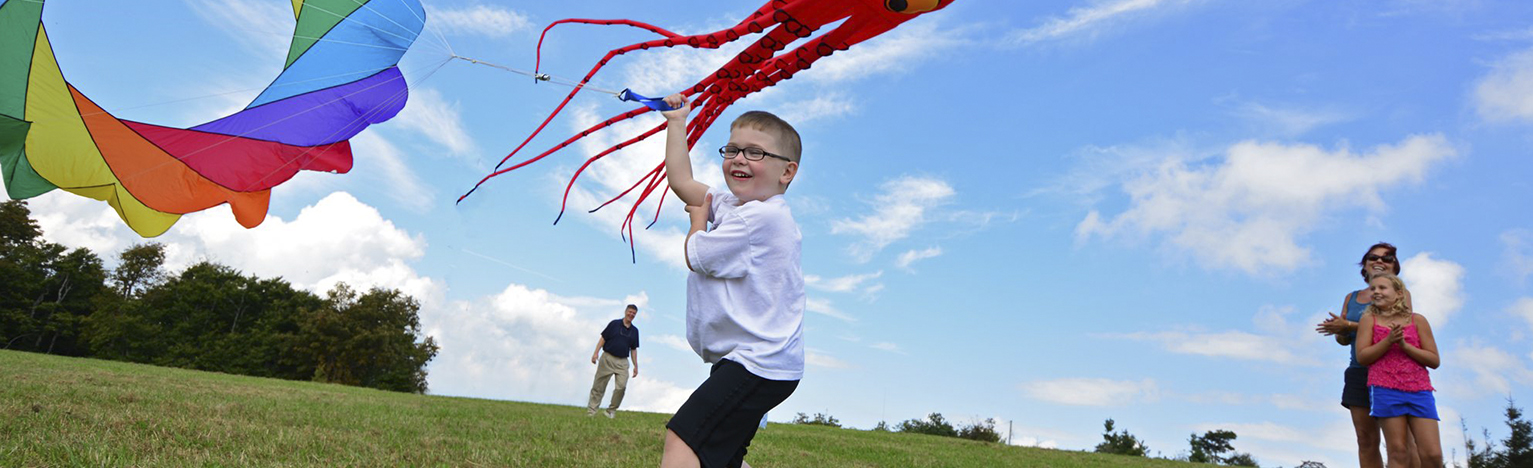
653, 103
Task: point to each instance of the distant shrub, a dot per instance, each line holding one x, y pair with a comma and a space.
1121, 443
819, 419
983, 431
934, 425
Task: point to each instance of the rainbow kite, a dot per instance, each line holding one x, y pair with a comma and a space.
341, 75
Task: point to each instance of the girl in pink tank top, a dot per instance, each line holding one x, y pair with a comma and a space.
1399, 349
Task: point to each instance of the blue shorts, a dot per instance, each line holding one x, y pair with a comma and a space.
1390, 403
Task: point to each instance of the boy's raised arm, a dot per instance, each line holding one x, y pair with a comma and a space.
678, 165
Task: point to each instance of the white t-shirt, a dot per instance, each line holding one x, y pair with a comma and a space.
745, 295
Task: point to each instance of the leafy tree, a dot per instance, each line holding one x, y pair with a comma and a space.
72, 282
140, 267
368, 340
983, 431
1206, 449
46, 290
1310, 464
16, 225
934, 424
819, 419
881, 427
1211, 447
207, 317
1121, 443
112, 332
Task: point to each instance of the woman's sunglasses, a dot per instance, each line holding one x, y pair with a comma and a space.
1374, 258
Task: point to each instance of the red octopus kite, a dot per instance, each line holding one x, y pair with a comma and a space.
762, 64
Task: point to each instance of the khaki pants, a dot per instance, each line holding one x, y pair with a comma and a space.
606, 367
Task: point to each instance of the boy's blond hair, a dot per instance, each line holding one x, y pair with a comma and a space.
775, 126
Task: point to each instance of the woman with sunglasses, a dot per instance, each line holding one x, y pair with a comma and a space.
1354, 394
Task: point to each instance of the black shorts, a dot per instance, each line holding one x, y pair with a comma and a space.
1354, 393
720, 418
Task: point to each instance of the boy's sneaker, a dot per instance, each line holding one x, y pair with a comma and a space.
590, 412
611, 414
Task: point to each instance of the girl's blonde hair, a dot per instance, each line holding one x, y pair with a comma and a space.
1390, 310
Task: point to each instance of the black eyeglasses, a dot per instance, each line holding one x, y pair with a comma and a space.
1385, 258
753, 154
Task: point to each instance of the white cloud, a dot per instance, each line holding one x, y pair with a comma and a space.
1280, 401
265, 28
911, 256
529, 344
887, 346
847, 283
1494, 371
338, 239
377, 159
1226, 344
618, 171
899, 50
823, 106
1506, 93
661, 72
1518, 253
672, 341
1093, 392
78, 222
1288, 121
817, 358
1436, 286
901, 209
481, 20
1092, 21
824, 307
1100, 167
1247, 210
430, 115
1279, 340
1523, 308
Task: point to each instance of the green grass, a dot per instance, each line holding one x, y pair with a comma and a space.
57, 411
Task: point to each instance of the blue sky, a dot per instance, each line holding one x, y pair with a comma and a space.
1048, 213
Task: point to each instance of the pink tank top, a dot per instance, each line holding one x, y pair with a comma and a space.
1396, 369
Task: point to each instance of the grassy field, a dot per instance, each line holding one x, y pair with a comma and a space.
80, 412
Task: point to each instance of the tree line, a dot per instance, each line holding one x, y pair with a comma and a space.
209, 317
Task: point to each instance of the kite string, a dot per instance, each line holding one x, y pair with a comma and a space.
438, 31
538, 76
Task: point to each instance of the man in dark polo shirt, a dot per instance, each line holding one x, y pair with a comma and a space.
618, 342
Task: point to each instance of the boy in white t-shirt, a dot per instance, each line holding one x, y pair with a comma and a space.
745, 295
